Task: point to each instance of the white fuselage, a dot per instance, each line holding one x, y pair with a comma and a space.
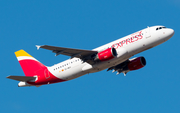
126, 47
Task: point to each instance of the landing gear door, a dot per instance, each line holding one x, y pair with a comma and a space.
148, 32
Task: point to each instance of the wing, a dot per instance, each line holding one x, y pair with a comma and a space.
21, 78
120, 68
85, 55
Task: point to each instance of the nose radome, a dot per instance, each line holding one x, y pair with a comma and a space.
168, 33
171, 32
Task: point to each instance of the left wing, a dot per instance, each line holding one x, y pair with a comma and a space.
85, 55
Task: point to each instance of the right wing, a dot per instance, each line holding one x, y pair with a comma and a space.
85, 55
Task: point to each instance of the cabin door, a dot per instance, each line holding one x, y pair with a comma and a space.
47, 74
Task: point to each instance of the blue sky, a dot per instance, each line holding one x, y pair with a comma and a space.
87, 24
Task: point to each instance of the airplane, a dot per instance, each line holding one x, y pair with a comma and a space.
113, 56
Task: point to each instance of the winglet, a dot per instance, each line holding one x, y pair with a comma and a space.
38, 47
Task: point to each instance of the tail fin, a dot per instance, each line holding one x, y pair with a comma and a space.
28, 63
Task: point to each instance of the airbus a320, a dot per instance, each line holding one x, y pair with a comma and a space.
113, 56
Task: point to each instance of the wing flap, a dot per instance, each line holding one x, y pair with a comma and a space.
21, 78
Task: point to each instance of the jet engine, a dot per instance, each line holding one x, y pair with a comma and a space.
129, 65
136, 63
105, 55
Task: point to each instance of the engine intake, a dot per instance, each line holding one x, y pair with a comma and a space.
136, 63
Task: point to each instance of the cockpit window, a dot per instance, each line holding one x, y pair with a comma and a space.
160, 28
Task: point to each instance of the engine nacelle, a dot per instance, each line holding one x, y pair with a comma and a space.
105, 55
136, 63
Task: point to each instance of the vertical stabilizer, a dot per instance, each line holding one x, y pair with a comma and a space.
29, 64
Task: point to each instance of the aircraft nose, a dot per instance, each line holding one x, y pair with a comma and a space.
170, 32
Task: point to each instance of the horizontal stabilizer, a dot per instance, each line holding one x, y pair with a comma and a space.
21, 78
